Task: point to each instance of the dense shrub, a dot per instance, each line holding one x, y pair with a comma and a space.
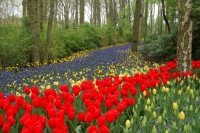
14, 46
162, 48
196, 31
15, 42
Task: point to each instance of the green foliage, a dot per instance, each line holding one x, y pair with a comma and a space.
160, 49
196, 31
14, 45
16, 42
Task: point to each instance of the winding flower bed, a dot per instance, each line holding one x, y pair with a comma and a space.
116, 104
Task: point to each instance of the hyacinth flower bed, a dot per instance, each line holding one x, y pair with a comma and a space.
95, 64
159, 100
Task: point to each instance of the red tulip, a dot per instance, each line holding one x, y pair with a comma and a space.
6, 127
104, 129
93, 129
81, 116
101, 120
1, 120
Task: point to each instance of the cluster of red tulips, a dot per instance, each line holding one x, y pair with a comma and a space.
53, 109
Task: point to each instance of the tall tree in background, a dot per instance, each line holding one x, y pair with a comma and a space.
98, 13
82, 11
24, 13
165, 17
184, 43
32, 7
144, 20
48, 40
136, 26
41, 14
76, 12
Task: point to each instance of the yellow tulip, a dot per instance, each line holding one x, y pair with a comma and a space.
159, 119
128, 123
181, 115
175, 106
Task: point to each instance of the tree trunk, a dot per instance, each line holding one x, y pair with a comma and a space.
55, 12
111, 12
45, 10
151, 19
24, 14
48, 40
41, 9
136, 27
33, 19
107, 12
95, 12
98, 13
115, 14
129, 11
184, 43
82, 11
76, 14
165, 17
145, 20
24, 10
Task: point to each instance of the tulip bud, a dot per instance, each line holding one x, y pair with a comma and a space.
145, 107
191, 92
188, 88
149, 109
179, 92
152, 105
197, 99
159, 119
181, 115
144, 121
136, 106
148, 101
165, 98
186, 127
132, 121
191, 108
186, 108
167, 90
154, 114
154, 91
154, 129
163, 89
196, 110
175, 106
188, 99
174, 125
166, 131
128, 123
182, 82
144, 93
168, 83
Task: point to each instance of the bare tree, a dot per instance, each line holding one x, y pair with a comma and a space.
48, 40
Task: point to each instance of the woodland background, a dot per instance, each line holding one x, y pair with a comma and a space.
63, 27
